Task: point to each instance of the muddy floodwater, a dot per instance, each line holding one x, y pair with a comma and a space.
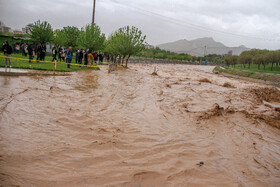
185, 127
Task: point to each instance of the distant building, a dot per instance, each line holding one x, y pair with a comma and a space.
229, 53
24, 30
4, 28
17, 32
148, 46
28, 28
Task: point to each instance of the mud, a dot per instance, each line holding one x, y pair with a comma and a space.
129, 128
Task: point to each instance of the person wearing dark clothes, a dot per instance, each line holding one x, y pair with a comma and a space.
31, 52
22, 49
77, 55
43, 54
39, 52
80, 57
101, 57
59, 53
69, 55
8, 50
95, 56
54, 53
62, 55
86, 57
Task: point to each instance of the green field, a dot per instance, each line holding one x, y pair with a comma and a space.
24, 64
271, 76
254, 68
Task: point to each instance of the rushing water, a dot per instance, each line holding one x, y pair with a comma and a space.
130, 128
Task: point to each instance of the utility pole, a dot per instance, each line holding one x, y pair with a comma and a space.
93, 12
205, 60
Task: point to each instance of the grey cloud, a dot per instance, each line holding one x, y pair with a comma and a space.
161, 20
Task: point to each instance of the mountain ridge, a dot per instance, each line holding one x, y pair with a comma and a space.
196, 47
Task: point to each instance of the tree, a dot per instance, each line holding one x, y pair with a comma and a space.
41, 32
227, 60
272, 57
126, 42
91, 37
71, 36
59, 38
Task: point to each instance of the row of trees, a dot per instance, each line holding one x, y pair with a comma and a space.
157, 53
121, 44
255, 56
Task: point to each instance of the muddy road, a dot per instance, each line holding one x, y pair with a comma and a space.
185, 127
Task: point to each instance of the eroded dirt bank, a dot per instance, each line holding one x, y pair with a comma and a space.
130, 128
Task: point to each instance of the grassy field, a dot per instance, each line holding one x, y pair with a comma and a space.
24, 64
271, 76
254, 68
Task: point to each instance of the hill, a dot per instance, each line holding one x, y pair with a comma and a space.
196, 47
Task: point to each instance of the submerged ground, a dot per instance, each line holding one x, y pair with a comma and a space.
185, 127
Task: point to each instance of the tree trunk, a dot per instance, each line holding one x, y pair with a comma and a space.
127, 61
115, 59
271, 66
259, 66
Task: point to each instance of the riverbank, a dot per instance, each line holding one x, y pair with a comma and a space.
22, 62
264, 77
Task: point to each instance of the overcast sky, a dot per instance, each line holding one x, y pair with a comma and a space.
253, 23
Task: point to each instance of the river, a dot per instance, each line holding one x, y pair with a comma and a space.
185, 127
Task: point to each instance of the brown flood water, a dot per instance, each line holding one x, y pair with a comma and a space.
130, 128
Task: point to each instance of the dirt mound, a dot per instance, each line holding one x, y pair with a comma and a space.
269, 94
228, 85
154, 74
216, 110
205, 80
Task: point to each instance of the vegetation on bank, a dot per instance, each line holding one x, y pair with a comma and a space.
24, 64
253, 72
124, 43
121, 44
262, 59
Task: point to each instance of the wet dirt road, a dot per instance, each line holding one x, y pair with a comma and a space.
185, 127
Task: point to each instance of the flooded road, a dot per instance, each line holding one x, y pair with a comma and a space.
185, 127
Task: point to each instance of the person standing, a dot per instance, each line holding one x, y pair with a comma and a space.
22, 49
95, 56
69, 55
43, 54
54, 53
80, 58
101, 57
8, 50
62, 55
86, 57
39, 51
31, 52
59, 53
90, 58
77, 55
25, 49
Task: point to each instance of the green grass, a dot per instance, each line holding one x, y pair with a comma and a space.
272, 76
24, 64
254, 68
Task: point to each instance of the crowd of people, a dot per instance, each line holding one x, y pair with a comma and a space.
82, 56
